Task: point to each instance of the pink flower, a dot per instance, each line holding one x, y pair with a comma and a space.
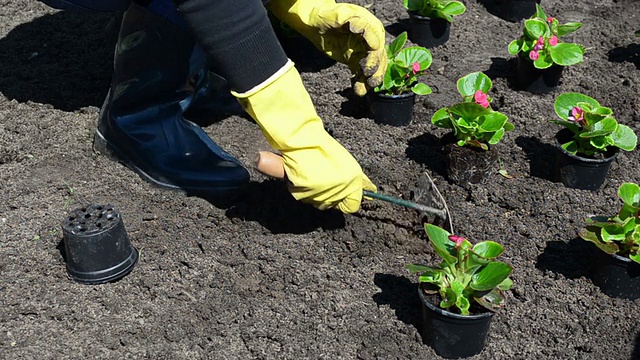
457, 239
577, 115
553, 41
539, 45
415, 67
533, 55
481, 99
550, 19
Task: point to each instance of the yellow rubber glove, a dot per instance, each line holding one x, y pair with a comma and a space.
320, 170
347, 33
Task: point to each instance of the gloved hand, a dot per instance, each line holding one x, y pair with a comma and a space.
347, 33
319, 169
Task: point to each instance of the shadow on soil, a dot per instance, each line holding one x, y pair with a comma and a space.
426, 149
272, 206
63, 59
636, 349
630, 53
402, 296
541, 157
572, 259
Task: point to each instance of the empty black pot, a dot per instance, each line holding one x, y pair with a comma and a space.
97, 248
534, 80
453, 336
616, 276
429, 32
578, 172
396, 110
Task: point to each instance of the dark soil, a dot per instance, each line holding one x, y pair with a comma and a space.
270, 278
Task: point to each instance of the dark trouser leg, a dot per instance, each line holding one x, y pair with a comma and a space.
142, 121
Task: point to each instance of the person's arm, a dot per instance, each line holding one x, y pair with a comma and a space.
242, 47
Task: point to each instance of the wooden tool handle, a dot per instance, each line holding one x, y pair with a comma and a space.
270, 164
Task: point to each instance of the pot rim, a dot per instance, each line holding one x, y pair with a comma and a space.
416, 15
449, 314
614, 150
393, 96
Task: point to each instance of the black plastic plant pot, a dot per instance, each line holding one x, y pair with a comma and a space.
396, 110
534, 80
97, 248
579, 172
470, 165
428, 32
516, 10
451, 335
616, 276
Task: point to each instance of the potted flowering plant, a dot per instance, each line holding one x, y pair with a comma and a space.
431, 20
476, 127
392, 101
589, 142
617, 273
468, 288
541, 54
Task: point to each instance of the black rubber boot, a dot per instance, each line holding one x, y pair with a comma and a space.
142, 123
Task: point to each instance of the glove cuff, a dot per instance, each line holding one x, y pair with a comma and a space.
278, 74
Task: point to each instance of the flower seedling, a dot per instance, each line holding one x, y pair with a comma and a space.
436, 8
468, 273
473, 121
541, 43
619, 234
405, 66
594, 127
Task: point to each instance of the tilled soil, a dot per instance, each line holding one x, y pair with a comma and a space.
269, 278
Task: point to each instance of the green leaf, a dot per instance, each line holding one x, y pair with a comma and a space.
495, 138
490, 276
449, 298
469, 84
492, 301
453, 8
568, 28
418, 268
493, 121
544, 61
488, 249
535, 28
514, 47
469, 110
604, 127
590, 233
565, 54
463, 304
439, 238
630, 194
441, 119
508, 126
397, 45
506, 284
540, 13
415, 54
565, 102
421, 89
624, 138
635, 257
571, 147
